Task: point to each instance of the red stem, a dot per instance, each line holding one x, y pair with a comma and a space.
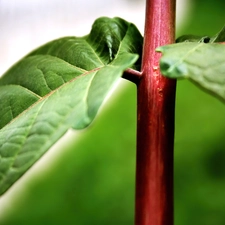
132, 75
155, 122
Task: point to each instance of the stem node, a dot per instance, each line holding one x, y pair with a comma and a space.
132, 75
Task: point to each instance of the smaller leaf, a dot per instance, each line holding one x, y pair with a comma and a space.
193, 38
203, 64
220, 37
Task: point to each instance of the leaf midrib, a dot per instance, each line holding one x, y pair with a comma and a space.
50, 93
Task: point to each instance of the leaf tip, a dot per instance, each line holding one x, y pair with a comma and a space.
159, 49
171, 70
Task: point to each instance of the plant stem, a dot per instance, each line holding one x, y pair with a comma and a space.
155, 121
132, 75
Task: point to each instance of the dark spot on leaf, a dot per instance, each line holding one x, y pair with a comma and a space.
205, 39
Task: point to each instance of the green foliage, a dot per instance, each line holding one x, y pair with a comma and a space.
60, 85
197, 60
220, 37
80, 186
192, 38
199, 143
90, 179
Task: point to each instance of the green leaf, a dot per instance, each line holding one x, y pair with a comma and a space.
203, 64
193, 38
60, 85
220, 37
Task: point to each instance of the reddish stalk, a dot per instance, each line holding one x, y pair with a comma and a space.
155, 122
132, 75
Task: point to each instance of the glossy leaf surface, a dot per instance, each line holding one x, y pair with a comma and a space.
60, 85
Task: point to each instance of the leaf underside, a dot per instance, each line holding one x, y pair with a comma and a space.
200, 61
60, 85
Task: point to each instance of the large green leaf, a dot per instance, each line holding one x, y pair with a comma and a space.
60, 85
204, 64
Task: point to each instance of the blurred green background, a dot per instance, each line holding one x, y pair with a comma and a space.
91, 179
